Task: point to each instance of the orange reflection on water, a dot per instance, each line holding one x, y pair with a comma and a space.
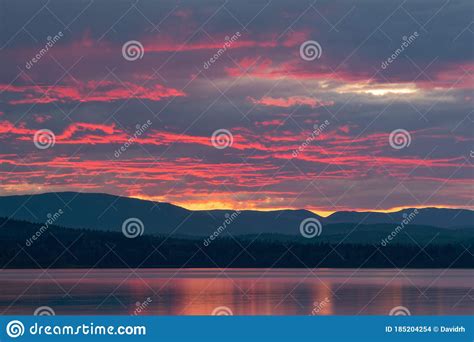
243, 291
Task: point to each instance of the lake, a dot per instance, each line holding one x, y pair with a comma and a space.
237, 291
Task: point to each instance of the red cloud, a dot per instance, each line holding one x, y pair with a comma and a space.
171, 44
451, 76
91, 91
268, 123
291, 101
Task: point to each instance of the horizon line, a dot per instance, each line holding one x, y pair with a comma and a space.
202, 207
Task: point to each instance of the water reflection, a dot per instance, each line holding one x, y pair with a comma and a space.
245, 292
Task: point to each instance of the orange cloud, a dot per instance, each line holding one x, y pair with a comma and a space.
91, 91
291, 101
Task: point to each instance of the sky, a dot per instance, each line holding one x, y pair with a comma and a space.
318, 105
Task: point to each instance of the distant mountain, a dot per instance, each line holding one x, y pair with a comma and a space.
107, 213
445, 218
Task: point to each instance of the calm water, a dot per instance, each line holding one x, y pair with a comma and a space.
243, 291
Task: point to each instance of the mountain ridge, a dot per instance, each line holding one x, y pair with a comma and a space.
107, 212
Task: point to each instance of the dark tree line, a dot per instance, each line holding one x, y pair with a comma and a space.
87, 249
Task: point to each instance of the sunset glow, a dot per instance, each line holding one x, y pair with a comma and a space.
220, 111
